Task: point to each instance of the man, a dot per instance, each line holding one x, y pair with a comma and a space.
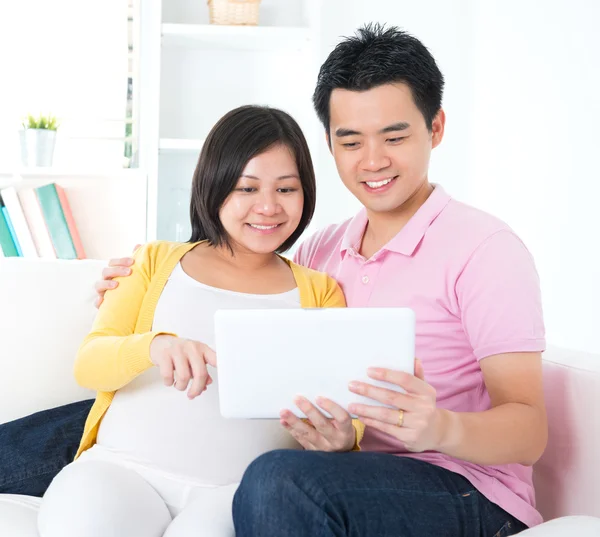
454, 455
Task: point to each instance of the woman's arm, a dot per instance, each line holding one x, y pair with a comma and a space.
112, 355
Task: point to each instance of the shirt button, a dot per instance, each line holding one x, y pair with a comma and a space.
365, 279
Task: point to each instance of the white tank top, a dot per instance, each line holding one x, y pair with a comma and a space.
159, 427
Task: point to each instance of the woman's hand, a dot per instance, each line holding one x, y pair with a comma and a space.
181, 361
318, 432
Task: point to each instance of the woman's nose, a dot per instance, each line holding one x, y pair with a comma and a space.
267, 205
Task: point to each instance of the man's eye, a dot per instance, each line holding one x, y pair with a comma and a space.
394, 140
350, 145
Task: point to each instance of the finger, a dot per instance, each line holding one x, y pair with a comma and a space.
136, 247
104, 285
382, 414
419, 371
182, 371
108, 273
98, 301
385, 396
166, 371
307, 445
315, 416
302, 432
199, 374
405, 380
121, 262
338, 413
210, 357
392, 430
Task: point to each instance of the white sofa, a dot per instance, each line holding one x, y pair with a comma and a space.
46, 307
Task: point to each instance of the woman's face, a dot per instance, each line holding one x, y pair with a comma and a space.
265, 207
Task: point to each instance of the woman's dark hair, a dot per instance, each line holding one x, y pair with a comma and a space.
238, 137
377, 55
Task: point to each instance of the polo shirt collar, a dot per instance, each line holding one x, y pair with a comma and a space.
409, 237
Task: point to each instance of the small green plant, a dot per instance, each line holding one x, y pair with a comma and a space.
43, 122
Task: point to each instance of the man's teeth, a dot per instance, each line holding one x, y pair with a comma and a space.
379, 184
263, 227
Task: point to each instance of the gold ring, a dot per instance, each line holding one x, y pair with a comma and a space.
400, 421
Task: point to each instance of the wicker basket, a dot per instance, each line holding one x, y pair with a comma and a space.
235, 12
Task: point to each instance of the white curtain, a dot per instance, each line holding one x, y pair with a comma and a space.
68, 58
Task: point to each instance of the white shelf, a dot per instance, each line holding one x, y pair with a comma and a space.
180, 144
272, 38
33, 172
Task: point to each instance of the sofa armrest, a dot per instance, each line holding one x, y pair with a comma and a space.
567, 476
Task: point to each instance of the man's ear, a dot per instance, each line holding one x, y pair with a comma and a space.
437, 128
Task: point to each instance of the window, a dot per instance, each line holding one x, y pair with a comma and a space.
78, 61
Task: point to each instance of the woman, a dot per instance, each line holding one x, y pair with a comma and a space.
152, 461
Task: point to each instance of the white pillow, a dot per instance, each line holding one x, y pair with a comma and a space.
46, 309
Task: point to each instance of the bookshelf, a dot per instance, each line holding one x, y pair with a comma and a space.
192, 72
109, 209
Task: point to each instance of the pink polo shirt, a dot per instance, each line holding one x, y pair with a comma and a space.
475, 291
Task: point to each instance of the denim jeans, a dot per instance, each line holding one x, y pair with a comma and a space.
35, 448
359, 494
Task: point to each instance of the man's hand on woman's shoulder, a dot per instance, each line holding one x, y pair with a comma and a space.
116, 267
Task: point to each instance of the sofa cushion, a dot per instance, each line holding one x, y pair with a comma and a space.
46, 309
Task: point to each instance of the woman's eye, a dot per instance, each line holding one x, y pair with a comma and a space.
247, 189
287, 190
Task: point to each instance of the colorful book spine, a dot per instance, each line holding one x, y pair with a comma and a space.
11, 228
19, 222
56, 221
62, 196
37, 224
6, 241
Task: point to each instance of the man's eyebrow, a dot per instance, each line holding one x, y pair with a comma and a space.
288, 176
400, 126
395, 127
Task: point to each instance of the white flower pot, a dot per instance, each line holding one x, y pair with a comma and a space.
37, 147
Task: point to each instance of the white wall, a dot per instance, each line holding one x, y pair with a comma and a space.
534, 146
522, 105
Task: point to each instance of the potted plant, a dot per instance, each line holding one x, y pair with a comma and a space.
37, 140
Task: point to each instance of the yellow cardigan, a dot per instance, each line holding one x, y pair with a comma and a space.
117, 349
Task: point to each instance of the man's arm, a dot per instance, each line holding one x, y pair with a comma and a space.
499, 299
515, 429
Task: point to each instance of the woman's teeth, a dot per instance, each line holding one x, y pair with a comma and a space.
263, 227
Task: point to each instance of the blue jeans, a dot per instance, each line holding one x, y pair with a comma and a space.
35, 448
318, 494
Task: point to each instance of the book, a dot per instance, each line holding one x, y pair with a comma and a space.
10, 227
19, 222
56, 222
62, 196
37, 224
6, 241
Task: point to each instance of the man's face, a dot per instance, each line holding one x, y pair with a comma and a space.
381, 144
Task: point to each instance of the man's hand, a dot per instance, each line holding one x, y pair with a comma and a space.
115, 268
414, 419
318, 432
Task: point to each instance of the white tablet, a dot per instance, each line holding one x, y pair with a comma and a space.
265, 358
